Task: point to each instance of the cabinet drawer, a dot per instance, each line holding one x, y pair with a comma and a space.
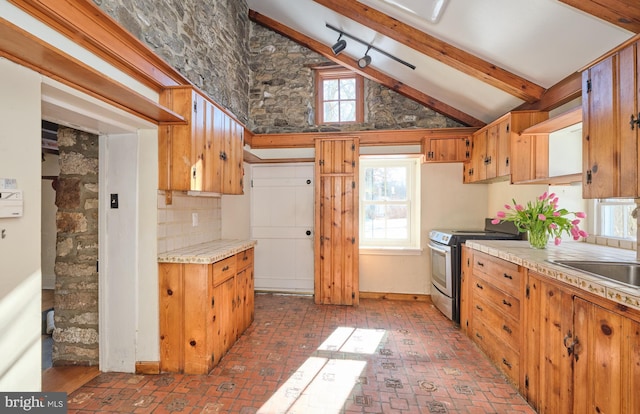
504, 327
223, 270
483, 288
505, 358
504, 275
244, 259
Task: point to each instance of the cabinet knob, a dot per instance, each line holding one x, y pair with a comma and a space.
308, 232
308, 181
169, 292
192, 343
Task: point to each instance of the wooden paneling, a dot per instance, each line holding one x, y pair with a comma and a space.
336, 240
622, 13
171, 314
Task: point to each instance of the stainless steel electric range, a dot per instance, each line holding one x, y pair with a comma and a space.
446, 247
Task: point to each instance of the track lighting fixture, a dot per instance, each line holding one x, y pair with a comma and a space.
339, 46
364, 61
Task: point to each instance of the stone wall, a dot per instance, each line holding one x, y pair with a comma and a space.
281, 96
206, 41
76, 292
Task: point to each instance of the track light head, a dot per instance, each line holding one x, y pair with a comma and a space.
339, 46
365, 60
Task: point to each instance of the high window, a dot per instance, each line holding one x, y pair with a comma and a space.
389, 202
339, 96
614, 218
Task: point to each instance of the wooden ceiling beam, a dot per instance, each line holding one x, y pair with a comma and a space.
368, 72
622, 13
436, 49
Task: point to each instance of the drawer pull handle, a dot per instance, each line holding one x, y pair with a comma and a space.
507, 363
224, 269
479, 308
504, 302
508, 276
480, 264
169, 292
479, 286
479, 336
192, 343
507, 329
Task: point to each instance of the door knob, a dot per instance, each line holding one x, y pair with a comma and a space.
308, 232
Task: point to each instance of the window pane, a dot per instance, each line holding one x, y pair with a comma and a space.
616, 218
331, 112
347, 111
388, 222
330, 90
348, 89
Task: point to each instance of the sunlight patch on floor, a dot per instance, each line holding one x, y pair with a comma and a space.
323, 384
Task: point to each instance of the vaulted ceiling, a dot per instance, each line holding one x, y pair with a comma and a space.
480, 60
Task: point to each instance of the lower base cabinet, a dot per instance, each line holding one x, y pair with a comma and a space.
566, 351
204, 308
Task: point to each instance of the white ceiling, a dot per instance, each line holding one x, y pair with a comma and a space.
543, 41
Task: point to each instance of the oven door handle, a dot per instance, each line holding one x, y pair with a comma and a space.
433, 247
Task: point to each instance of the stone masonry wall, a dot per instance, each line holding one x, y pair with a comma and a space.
281, 96
76, 292
206, 41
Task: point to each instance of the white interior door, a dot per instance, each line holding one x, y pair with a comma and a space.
282, 223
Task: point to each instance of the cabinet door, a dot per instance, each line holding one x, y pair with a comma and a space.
600, 130
491, 152
477, 168
547, 374
232, 161
449, 149
224, 317
629, 112
503, 147
606, 370
336, 216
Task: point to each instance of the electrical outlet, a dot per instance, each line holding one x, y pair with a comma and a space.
194, 219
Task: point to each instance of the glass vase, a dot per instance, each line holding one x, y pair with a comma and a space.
538, 239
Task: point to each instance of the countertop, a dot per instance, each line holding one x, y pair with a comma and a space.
206, 253
519, 252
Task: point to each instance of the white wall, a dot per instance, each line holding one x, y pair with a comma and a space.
236, 211
445, 203
20, 274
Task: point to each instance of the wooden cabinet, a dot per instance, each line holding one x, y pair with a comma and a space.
610, 112
204, 308
498, 151
495, 292
205, 154
582, 356
446, 149
336, 222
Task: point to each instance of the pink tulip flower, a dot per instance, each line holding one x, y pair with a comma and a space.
557, 241
495, 221
581, 214
501, 214
541, 217
519, 207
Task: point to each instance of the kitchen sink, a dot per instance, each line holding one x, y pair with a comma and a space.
625, 272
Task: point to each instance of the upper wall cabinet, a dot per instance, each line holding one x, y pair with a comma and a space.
610, 126
446, 149
205, 154
497, 151
550, 152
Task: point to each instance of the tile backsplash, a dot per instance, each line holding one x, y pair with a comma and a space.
176, 228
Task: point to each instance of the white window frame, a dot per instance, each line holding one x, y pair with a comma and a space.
598, 224
412, 242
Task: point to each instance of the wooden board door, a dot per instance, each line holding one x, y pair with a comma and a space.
336, 216
548, 369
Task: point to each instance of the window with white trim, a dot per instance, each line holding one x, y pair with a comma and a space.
389, 202
614, 218
339, 96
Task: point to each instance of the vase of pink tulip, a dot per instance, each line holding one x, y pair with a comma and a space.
543, 219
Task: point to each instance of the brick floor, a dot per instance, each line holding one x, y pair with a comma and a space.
404, 357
